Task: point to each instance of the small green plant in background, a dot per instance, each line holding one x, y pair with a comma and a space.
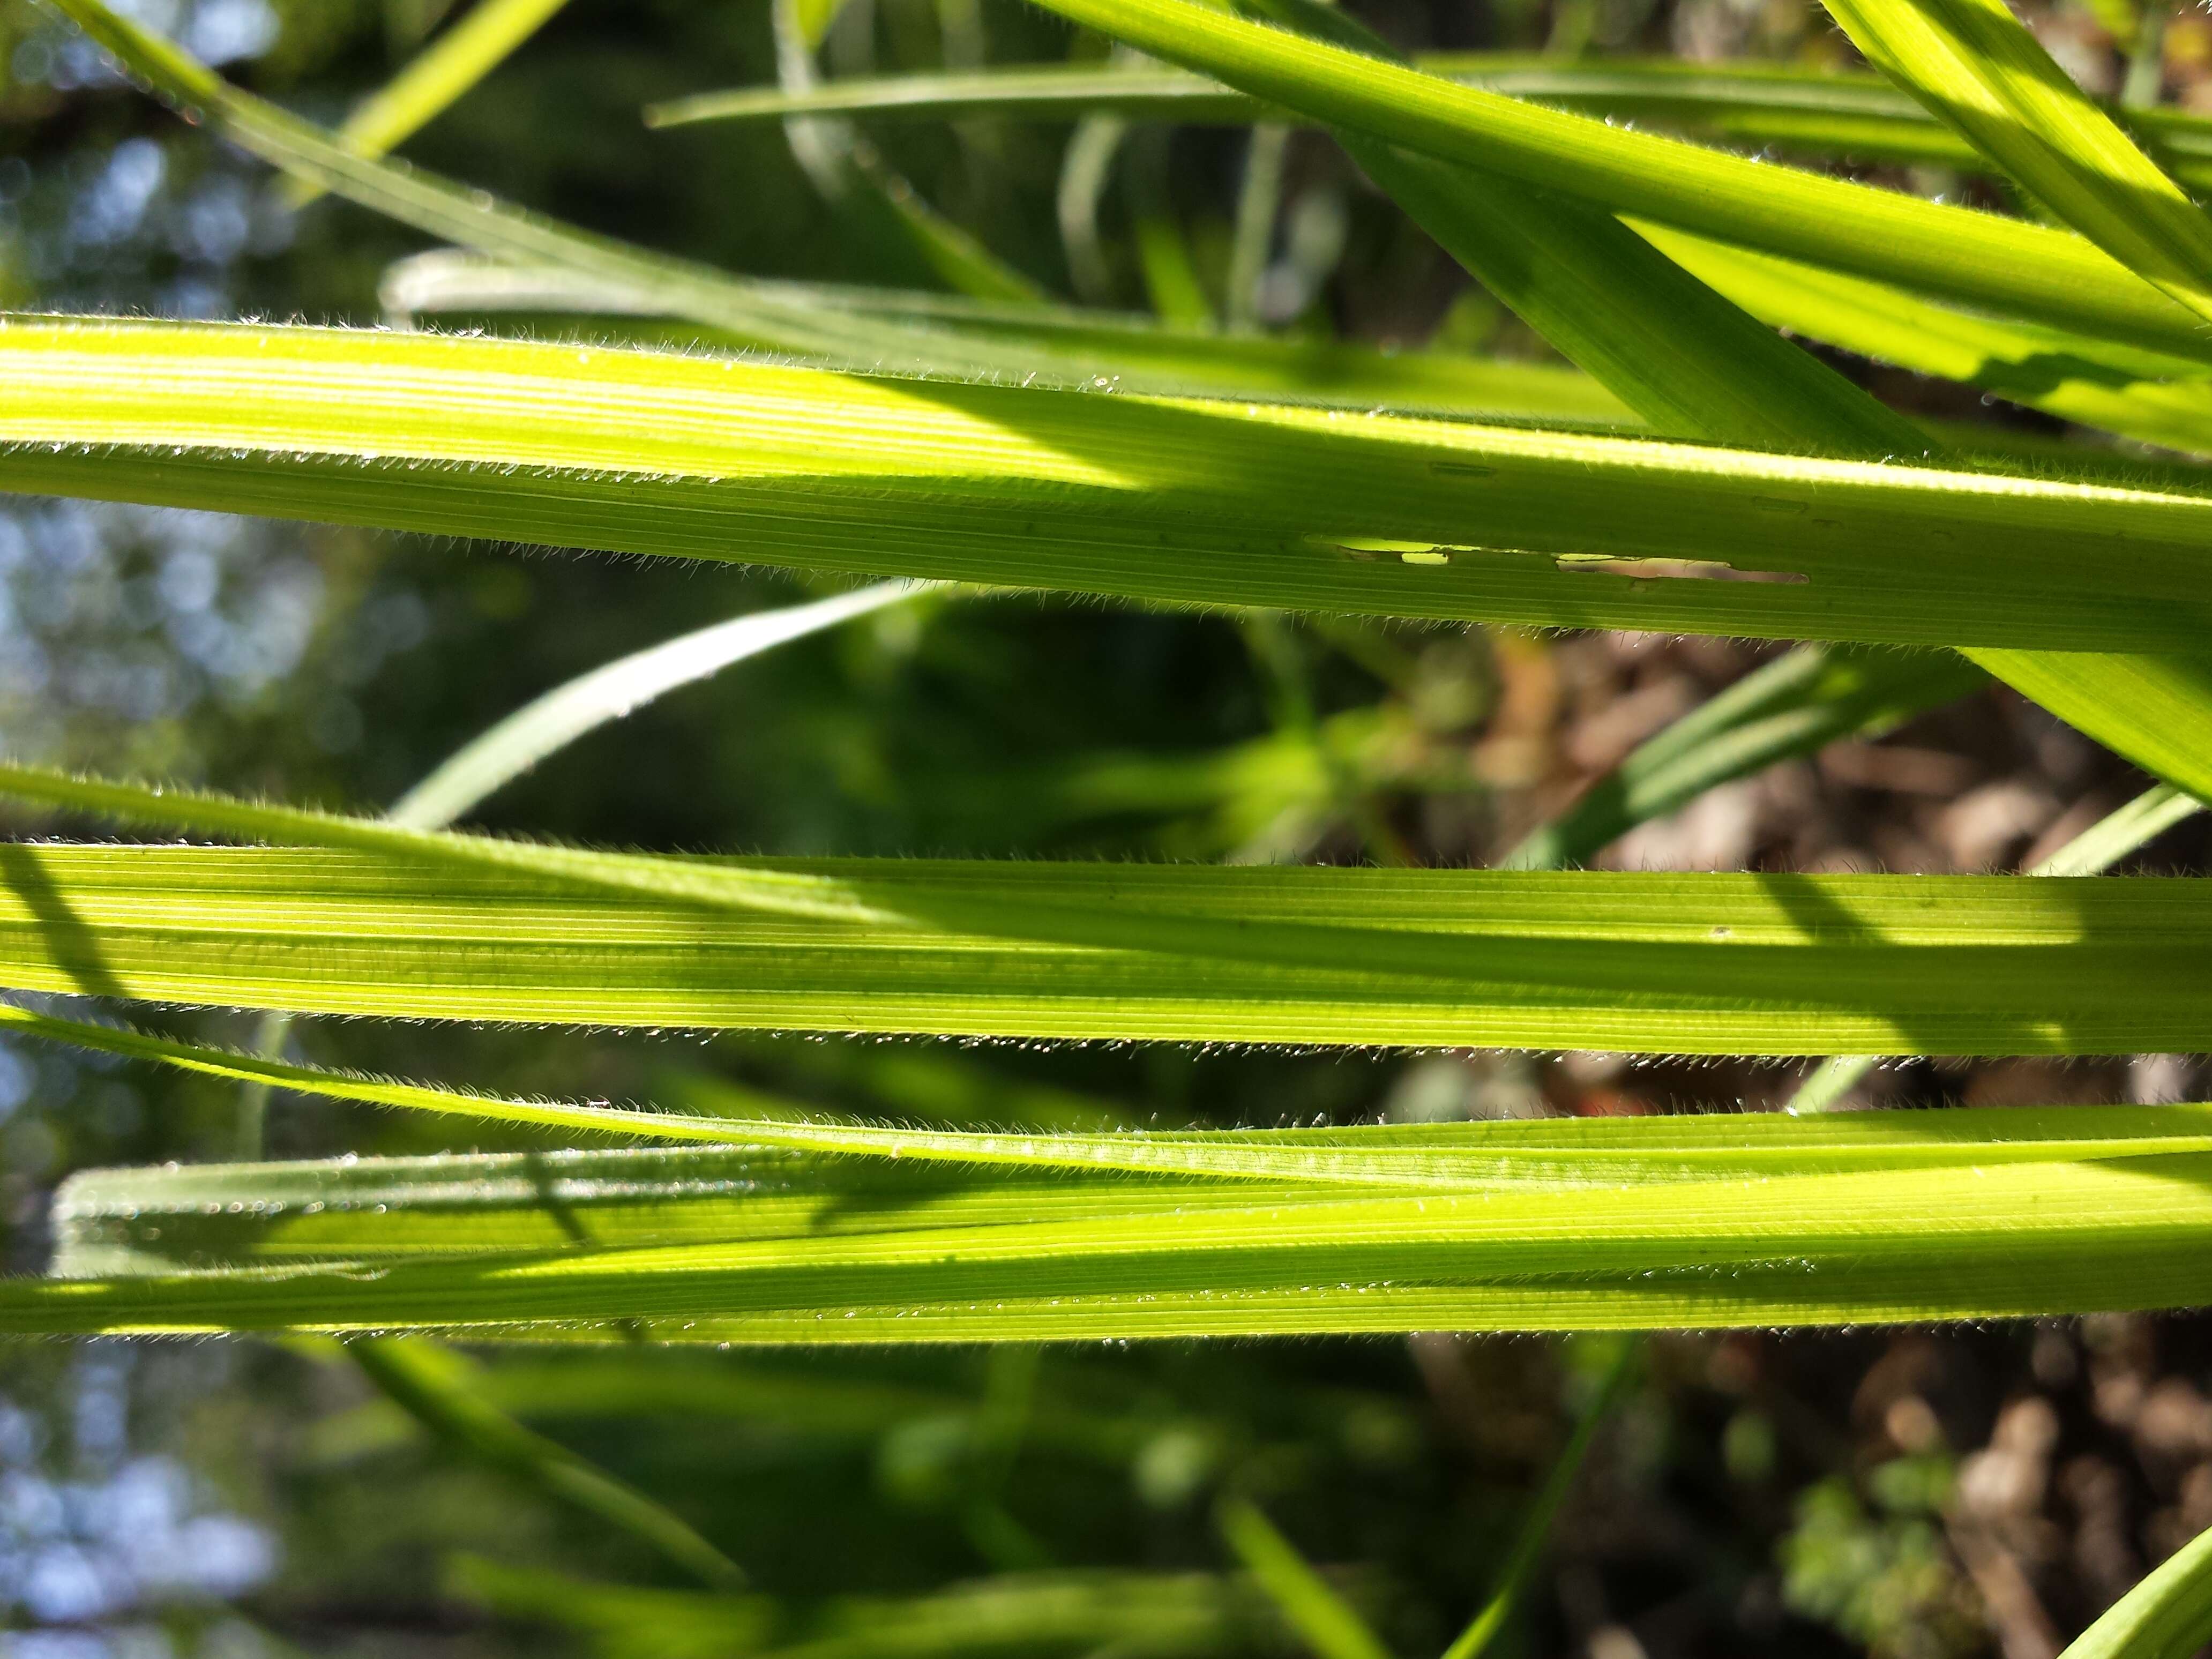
1689, 468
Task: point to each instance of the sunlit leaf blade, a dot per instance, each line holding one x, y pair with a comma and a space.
2167, 1615
2156, 710
1140, 354
889, 1251
2157, 398
459, 927
1686, 359
2095, 850
1792, 706
1977, 67
1185, 503
1975, 257
1810, 111
437, 78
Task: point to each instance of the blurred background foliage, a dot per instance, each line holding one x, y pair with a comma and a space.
1907, 1494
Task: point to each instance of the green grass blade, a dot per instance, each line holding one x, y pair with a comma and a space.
890, 217
1977, 67
559, 1244
2091, 853
1152, 1613
2154, 710
445, 926
1688, 361
1974, 257
1536, 1525
2167, 1615
437, 78
1451, 1159
1806, 111
438, 1388
1330, 1625
2143, 395
1176, 502
1792, 706
487, 762
1143, 354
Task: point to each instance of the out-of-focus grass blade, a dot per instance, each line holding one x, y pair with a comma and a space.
1792, 706
1143, 355
1180, 501
1888, 1216
1807, 111
1158, 1616
437, 78
802, 1405
2144, 395
2167, 1615
1330, 1625
438, 1388
1976, 66
506, 751
1536, 1525
462, 926
2091, 853
877, 201
1975, 257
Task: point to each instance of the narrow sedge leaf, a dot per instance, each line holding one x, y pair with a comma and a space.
1143, 354
464, 926
1687, 360
733, 1246
2154, 710
1794, 705
2156, 398
1428, 1157
437, 78
1976, 66
1975, 257
1813, 112
1187, 502
2091, 853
